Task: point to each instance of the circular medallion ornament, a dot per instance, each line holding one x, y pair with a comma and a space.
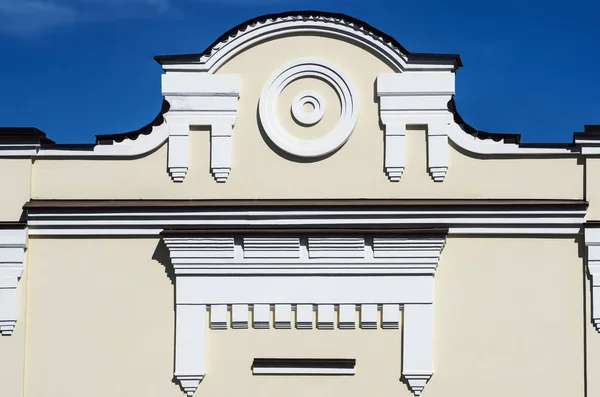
303, 68
315, 101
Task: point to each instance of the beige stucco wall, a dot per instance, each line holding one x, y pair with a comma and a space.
508, 321
592, 187
356, 170
15, 182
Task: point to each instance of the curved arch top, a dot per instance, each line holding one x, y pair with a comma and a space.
270, 26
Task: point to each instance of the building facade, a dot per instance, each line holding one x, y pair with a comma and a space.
307, 215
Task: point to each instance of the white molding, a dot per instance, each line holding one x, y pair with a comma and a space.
304, 316
325, 316
12, 263
415, 98
290, 72
417, 350
347, 317
201, 99
474, 220
251, 35
368, 316
261, 316
302, 371
312, 98
303, 289
592, 242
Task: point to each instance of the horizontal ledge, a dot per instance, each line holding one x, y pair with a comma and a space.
303, 366
379, 230
379, 203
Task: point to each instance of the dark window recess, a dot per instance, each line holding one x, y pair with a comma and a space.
347, 363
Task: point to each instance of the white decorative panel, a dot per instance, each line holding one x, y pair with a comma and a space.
12, 262
261, 316
325, 316
218, 316
283, 316
304, 316
239, 316
331, 247
275, 247
368, 316
347, 317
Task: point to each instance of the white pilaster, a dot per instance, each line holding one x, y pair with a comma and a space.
200, 99
592, 241
417, 353
12, 262
190, 346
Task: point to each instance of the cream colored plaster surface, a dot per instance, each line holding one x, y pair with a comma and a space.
508, 319
15, 182
354, 171
592, 188
12, 348
508, 322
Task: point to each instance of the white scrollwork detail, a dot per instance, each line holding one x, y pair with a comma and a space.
302, 68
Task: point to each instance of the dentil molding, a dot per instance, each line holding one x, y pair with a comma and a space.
303, 68
200, 99
294, 276
416, 98
12, 260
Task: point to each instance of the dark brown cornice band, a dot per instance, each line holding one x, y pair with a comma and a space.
304, 363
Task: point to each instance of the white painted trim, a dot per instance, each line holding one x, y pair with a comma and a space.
190, 346
12, 263
302, 371
592, 242
417, 350
290, 72
312, 98
460, 221
415, 98
251, 35
201, 99
305, 289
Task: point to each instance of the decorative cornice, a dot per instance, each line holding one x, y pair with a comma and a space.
269, 26
304, 273
12, 262
139, 217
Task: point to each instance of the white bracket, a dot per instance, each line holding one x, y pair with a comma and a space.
12, 260
200, 99
304, 273
592, 242
415, 98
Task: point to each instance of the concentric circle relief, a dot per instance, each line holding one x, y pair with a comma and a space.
308, 107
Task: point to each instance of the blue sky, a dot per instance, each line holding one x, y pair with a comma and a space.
76, 68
